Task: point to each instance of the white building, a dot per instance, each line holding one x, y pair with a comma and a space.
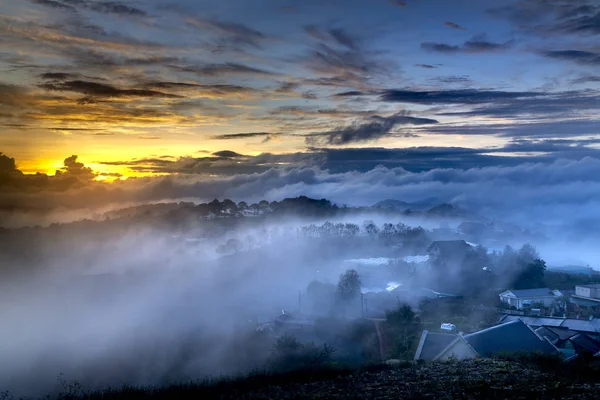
588, 291
530, 297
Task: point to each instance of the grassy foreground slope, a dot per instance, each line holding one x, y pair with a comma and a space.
470, 379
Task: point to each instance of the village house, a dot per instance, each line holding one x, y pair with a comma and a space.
515, 336
589, 326
521, 299
572, 343
588, 292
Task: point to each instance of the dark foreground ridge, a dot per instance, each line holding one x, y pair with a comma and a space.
468, 379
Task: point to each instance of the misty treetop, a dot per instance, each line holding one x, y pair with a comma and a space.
348, 287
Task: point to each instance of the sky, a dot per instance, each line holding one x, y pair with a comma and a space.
107, 90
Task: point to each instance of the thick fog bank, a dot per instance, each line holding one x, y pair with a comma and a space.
148, 310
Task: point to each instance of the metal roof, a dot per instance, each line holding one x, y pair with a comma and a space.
535, 321
527, 293
513, 336
581, 325
584, 302
431, 344
586, 343
556, 332
591, 286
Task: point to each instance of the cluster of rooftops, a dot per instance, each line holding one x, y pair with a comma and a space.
512, 335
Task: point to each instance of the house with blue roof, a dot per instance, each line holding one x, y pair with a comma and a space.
514, 336
524, 298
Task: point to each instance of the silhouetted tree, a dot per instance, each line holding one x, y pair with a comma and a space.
290, 354
404, 328
370, 228
531, 276
351, 229
348, 287
229, 206
263, 206
242, 206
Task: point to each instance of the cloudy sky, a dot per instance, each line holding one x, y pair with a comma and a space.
226, 88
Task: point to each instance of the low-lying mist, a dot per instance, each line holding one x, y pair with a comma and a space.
145, 300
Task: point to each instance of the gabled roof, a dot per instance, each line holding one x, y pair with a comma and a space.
528, 293
584, 325
546, 333
586, 343
580, 325
591, 286
555, 333
460, 338
509, 337
431, 344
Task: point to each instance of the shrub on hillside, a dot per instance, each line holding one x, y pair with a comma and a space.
289, 354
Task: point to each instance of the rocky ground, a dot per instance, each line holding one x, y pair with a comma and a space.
472, 379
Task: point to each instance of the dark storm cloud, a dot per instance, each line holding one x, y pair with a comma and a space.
552, 105
552, 129
113, 7
287, 87
105, 7
341, 58
440, 47
343, 38
76, 129
453, 79
61, 76
219, 163
427, 66
227, 154
224, 69
218, 90
53, 4
353, 67
586, 79
334, 36
102, 90
95, 58
319, 112
372, 128
227, 35
315, 32
334, 81
576, 56
465, 96
454, 26
477, 44
246, 135
582, 24
242, 32
578, 17
15, 96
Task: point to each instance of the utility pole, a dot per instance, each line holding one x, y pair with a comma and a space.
363, 302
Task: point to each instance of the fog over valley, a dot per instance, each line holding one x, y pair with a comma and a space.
276, 199
163, 292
